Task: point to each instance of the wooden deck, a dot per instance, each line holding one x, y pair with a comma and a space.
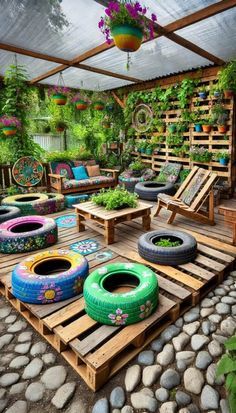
98, 352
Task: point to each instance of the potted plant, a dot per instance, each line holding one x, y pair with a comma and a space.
149, 149
160, 125
207, 125
137, 167
227, 79
171, 127
174, 140
202, 93
220, 117
113, 199
142, 146
126, 23
200, 154
198, 127
58, 94
60, 126
81, 101
181, 151
9, 125
215, 90
223, 157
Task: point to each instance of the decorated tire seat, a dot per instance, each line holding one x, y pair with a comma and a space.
36, 203
185, 252
8, 212
105, 304
129, 180
49, 276
150, 189
25, 234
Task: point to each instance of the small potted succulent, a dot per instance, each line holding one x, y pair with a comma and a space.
9, 125
223, 157
202, 93
126, 23
81, 102
227, 79
60, 126
58, 94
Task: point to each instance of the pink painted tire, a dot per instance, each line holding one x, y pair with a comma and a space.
24, 234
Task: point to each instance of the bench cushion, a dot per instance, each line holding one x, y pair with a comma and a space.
73, 183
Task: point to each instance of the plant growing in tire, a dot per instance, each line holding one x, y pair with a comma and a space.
167, 247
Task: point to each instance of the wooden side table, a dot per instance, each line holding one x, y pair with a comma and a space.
229, 216
109, 219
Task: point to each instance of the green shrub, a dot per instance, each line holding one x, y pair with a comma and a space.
227, 366
115, 199
183, 174
72, 155
166, 242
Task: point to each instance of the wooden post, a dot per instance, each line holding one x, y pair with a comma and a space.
146, 221
79, 219
109, 232
211, 205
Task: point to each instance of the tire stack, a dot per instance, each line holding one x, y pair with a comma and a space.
8, 212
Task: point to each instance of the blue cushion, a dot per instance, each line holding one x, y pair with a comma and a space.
79, 173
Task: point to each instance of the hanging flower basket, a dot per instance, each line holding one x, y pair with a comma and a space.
9, 130
98, 105
60, 126
81, 104
59, 92
127, 38
9, 125
59, 99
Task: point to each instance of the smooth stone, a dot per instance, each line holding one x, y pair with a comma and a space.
150, 374
8, 379
115, 411
18, 362
34, 392
182, 398
191, 316
169, 333
232, 294
210, 295
205, 312
38, 348
117, 397
206, 303
209, 398
203, 360
143, 401
233, 310
181, 365
166, 356
3, 404
26, 336
10, 319
147, 391
157, 345
132, 377
208, 327
233, 273
221, 339
127, 409
215, 299
2, 393
228, 300
198, 341
33, 369
162, 395
7, 358
211, 376
226, 288
193, 380
192, 408
18, 407
180, 322
215, 318
63, 395
146, 358
215, 348
77, 406
17, 326
49, 358
180, 341
222, 308
219, 291
228, 281
4, 312
186, 356
5, 340
191, 328
168, 407
228, 327
54, 377
224, 406
101, 406
22, 348
170, 379
18, 388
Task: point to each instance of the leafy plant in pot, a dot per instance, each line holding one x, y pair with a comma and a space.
202, 93
60, 126
142, 146
200, 154
9, 125
172, 127
137, 167
220, 116
58, 94
223, 157
113, 199
160, 125
149, 149
81, 101
227, 79
207, 125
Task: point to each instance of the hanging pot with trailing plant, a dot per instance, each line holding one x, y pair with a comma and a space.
9, 125
58, 93
98, 105
81, 102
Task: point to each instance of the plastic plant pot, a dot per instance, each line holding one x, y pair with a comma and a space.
206, 128
224, 161
148, 151
198, 127
222, 128
60, 129
127, 38
59, 99
202, 95
98, 106
217, 94
9, 130
172, 128
81, 105
228, 94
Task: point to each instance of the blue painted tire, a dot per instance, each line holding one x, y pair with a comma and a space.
24, 234
49, 277
8, 212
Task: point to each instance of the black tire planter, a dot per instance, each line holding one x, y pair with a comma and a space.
8, 212
149, 190
181, 254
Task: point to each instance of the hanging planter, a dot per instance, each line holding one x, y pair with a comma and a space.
58, 93
59, 99
60, 126
127, 38
9, 125
98, 105
81, 101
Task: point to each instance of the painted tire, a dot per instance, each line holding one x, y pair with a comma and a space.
49, 277
25, 234
149, 189
121, 308
8, 212
43, 204
182, 254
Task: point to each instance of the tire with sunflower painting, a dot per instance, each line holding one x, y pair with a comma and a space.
49, 276
121, 293
24, 234
8, 212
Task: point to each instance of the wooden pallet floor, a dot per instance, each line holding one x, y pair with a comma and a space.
98, 352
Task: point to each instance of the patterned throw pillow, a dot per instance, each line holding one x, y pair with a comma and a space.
169, 172
62, 168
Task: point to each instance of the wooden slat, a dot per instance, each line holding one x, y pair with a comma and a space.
216, 266
75, 328
206, 188
212, 253
197, 270
64, 314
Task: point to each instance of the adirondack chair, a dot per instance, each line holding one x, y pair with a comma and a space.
194, 191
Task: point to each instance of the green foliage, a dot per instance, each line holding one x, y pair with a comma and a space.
222, 155
227, 366
200, 154
181, 150
219, 114
174, 139
166, 242
185, 90
227, 77
80, 154
137, 166
115, 199
183, 174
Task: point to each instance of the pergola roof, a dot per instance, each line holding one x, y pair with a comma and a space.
190, 34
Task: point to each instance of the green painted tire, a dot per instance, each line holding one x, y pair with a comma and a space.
123, 308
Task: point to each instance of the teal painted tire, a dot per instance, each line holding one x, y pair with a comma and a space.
114, 308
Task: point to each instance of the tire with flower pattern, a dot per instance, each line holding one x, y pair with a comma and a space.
37, 204
107, 306
8, 212
49, 276
24, 234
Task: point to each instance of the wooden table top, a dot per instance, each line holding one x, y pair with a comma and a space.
102, 213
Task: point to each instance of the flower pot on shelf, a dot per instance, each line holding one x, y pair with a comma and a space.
59, 99
202, 95
206, 128
9, 130
228, 94
224, 161
172, 128
148, 151
127, 38
81, 105
198, 127
217, 94
142, 150
222, 128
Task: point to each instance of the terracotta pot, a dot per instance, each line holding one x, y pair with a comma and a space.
81, 105
206, 128
59, 99
98, 105
60, 129
9, 130
222, 128
228, 94
127, 38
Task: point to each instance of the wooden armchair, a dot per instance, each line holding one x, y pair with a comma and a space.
194, 191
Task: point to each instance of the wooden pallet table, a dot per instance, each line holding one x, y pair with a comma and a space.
109, 219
